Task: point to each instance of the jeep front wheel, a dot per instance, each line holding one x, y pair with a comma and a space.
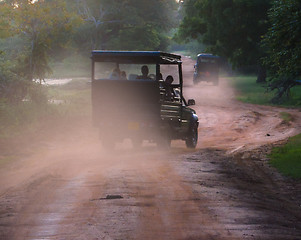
192, 138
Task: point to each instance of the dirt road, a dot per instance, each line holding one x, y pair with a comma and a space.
68, 187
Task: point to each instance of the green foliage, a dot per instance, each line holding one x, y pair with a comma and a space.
13, 88
43, 26
282, 43
36, 29
231, 29
125, 25
287, 159
247, 90
149, 39
5, 28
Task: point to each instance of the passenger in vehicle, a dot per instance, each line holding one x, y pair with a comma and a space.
168, 87
144, 71
123, 75
115, 74
169, 80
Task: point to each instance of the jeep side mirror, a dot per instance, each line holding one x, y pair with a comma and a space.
191, 102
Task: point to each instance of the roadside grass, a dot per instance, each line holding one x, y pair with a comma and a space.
286, 117
247, 90
287, 158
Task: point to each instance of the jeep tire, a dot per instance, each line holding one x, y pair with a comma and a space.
192, 138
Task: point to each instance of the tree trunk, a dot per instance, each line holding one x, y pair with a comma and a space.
261, 74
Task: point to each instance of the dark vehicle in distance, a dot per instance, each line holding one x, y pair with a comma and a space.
130, 99
206, 68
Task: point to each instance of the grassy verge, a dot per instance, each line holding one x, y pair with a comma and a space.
287, 158
247, 90
286, 117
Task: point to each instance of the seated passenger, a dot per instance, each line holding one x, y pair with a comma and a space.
144, 71
169, 89
123, 75
115, 74
169, 80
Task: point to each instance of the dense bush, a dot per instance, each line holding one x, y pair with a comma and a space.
282, 43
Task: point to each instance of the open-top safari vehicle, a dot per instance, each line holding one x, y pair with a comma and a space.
130, 98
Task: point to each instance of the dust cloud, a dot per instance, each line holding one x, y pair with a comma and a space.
59, 186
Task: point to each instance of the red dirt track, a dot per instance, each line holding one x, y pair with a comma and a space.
70, 188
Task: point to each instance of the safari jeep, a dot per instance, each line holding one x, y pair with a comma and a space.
206, 68
131, 99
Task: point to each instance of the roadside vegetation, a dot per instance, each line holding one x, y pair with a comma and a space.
287, 158
248, 91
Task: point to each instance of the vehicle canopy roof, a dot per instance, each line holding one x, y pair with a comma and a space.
155, 57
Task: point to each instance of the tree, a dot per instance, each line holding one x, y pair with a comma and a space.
44, 25
125, 25
5, 29
282, 43
229, 28
12, 86
39, 27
